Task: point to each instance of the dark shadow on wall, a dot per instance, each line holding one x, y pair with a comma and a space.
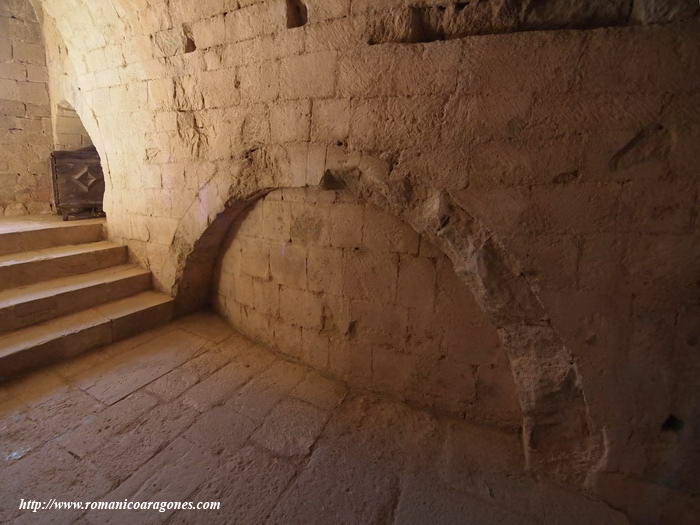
195, 284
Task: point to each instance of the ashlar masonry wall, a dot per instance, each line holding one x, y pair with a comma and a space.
360, 295
548, 148
25, 117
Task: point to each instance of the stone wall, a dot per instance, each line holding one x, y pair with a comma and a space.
547, 150
69, 132
25, 118
360, 295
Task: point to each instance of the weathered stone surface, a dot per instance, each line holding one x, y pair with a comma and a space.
519, 150
291, 429
127, 372
51, 473
354, 459
221, 431
247, 485
262, 393
25, 139
95, 431
421, 332
125, 451
167, 476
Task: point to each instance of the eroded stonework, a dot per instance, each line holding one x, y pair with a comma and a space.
551, 158
25, 118
357, 293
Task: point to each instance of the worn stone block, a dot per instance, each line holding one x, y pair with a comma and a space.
289, 122
347, 222
369, 274
288, 265
308, 75
300, 308
324, 270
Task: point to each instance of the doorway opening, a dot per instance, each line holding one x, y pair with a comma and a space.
76, 170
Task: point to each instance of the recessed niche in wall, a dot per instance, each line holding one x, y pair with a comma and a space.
297, 14
357, 293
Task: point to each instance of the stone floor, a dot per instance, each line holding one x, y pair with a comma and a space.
195, 412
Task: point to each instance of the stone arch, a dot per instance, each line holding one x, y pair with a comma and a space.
559, 439
356, 292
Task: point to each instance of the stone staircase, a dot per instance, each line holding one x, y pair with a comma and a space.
64, 290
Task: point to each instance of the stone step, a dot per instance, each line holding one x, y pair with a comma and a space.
36, 303
22, 269
24, 236
70, 335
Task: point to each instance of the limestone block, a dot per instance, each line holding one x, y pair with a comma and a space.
28, 53
567, 14
331, 120
315, 164
416, 284
340, 34
260, 81
370, 275
346, 225
315, 348
388, 234
657, 11
13, 71
352, 363
310, 225
256, 20
356, 73
183, 10
169, 43
393, 371
288, 265
12, 108
209, 32
290, 121
266, 297
5, 50
288, 338
161, 93
255, 260
14, 209
8, 90
24, 30
308, 75
324, 270
378, 325
244, 290
276, 220
219, 88
502, 64
291, 429
300, 308
320, 10
452, 386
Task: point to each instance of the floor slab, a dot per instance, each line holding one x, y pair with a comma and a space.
193, 411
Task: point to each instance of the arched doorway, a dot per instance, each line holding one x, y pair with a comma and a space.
78, 179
